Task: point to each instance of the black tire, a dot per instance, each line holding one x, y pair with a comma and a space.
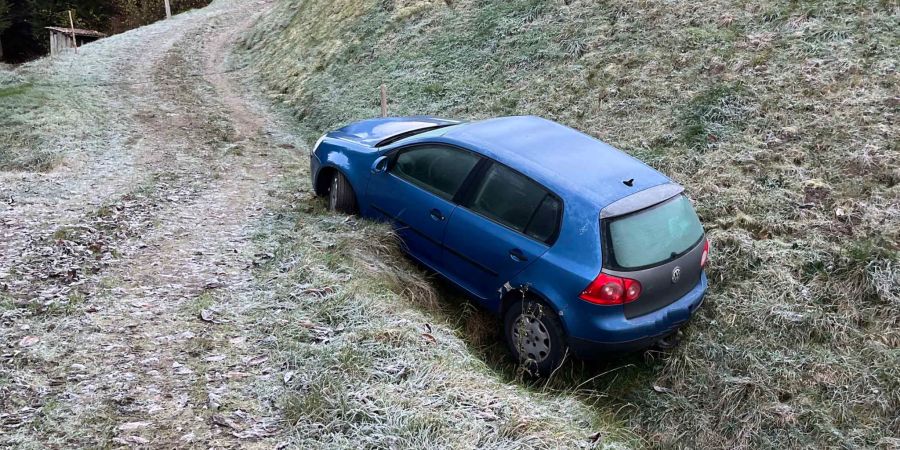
535, 337
340, 195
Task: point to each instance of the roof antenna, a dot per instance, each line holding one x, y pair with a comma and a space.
629, 182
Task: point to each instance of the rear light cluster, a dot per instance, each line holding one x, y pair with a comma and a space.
610, 290
704, 258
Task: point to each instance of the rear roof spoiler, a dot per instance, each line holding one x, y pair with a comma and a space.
640, 200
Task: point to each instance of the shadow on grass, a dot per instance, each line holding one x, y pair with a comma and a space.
611, 385
607, 382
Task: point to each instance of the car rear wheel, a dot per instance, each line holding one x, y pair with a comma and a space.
340, 195
535, 337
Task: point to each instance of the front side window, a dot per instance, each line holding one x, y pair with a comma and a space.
655, 235
517, 202
436, 168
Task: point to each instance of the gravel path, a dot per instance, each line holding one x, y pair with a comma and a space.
109, 262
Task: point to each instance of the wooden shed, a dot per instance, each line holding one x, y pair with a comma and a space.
61, 38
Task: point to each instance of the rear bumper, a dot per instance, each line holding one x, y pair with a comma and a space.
616, 334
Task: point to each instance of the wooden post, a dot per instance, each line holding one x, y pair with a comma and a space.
72, 25
383, 100
168, 10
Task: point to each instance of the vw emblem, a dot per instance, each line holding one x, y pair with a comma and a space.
676, 274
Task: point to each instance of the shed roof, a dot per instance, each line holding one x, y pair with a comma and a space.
77, 31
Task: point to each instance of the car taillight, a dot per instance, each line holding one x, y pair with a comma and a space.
704, 258
610, 290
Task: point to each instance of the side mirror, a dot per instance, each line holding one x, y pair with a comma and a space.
380, 164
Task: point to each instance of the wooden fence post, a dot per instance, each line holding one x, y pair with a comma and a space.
72, 25
168, 10
383, 100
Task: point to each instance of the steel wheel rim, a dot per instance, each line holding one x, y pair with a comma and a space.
532, 338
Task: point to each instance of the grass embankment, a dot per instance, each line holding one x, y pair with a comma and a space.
366, 365
37, 119
781, 121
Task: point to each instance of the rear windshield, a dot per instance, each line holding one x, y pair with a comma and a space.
654, 235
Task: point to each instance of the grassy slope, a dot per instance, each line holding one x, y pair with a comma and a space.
46, 109
373, 363
780, 119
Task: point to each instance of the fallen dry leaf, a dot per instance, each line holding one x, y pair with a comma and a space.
225, 421
28, 341
131, 426
208, 315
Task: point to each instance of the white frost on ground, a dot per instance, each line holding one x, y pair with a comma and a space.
128, 311
104, 256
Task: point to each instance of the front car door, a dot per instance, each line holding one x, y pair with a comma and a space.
507, 222
416, 193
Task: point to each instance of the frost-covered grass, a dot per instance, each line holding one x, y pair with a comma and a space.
36, 121
55, 107
779, 118
369, 357
71, 105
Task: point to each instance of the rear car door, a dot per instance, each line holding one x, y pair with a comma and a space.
416, 193
507, 221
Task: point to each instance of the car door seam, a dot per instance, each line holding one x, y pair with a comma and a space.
401, 222
471, 261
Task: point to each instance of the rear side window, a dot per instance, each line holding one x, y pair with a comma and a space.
436, 168
655, 235
543, 224
517, 202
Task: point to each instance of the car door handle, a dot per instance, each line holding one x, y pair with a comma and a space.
517, 255
437, 215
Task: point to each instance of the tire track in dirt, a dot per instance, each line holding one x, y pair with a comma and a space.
147, 359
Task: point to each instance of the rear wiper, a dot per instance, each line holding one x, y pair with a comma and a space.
391, 139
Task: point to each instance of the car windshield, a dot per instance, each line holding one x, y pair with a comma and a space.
654, 235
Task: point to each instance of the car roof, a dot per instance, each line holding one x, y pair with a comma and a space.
563, 159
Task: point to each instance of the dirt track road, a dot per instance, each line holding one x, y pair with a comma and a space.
107, 263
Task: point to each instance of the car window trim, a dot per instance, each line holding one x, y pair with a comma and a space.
466, 191
534, 214
477, 182
395, 153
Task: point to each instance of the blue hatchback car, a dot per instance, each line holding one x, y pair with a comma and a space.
579, 247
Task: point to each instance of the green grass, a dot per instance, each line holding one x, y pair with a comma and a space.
32, 118
711, 115
13, 91
23, 148
779, 119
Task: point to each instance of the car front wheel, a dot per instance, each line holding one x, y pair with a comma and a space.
535, 337
340, 195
